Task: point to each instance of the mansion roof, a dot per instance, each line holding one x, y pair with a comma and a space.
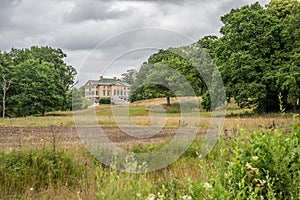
107, 81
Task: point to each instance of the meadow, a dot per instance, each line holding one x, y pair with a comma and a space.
255, 157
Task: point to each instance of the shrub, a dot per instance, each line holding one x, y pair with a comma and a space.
105, 101
25, 170
266, 166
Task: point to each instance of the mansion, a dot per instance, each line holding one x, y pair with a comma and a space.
107, 88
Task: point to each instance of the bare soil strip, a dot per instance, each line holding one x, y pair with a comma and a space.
62, 136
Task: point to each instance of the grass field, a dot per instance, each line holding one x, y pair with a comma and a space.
139, 113
256, 157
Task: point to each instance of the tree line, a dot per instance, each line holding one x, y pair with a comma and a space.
35, 80
257, 54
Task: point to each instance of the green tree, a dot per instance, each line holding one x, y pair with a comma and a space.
166, 74
6, 69
288, 76
34, 81
36, 88
245, 55
129, 76
78, 101
64, 72
283, 8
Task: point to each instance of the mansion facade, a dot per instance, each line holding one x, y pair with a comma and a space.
107, 88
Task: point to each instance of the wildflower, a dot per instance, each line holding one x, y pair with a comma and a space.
150, 197
31, 189
160, 196
262, 182
249, 166
255, 158
138, 195
207, 185
186, 197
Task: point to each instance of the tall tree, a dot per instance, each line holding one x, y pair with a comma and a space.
245, 55
129, 76
64, 72
283, 8
6, 69
288, 77
37, 90
34, 81
166, 74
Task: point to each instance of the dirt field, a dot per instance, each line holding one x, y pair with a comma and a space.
62, 136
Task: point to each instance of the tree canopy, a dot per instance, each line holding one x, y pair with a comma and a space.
167, 74
35, 81
257, 53
256, 58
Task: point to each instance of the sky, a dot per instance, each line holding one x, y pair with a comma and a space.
107, 37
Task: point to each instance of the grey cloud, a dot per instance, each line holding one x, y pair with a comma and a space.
78, 26
6, 11
152, 1
93, 10
4, 4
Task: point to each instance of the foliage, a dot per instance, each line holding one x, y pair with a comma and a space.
262, 165
39, 81
255, 58
288, 76
129, 76
169, 73
78, 100
206, 102
265, 167
27, 170
251, 165
105, 101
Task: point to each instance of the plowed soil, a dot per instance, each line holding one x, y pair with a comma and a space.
61, 136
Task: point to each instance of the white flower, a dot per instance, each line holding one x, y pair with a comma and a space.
31, 189
255, 158
150, 197
249, 166
138, 195
160, 196
207, 185
186, 197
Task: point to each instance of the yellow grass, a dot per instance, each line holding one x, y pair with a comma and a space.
139, 115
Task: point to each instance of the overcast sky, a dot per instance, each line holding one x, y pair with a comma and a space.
103, 37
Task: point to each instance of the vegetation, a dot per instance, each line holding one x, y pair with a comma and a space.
105, 101
35, 170
167, 74
257, 156
254, 56
248, 165
129, 76
78, 101
257, 55
34, 81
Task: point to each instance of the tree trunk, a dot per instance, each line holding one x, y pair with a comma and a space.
3, 103
168, 101
294, 108
5, 86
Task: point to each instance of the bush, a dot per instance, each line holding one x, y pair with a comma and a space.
105, 101
266, 166
21, 171
206, 102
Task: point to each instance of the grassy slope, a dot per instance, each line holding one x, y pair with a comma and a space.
74, 174
139, 113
